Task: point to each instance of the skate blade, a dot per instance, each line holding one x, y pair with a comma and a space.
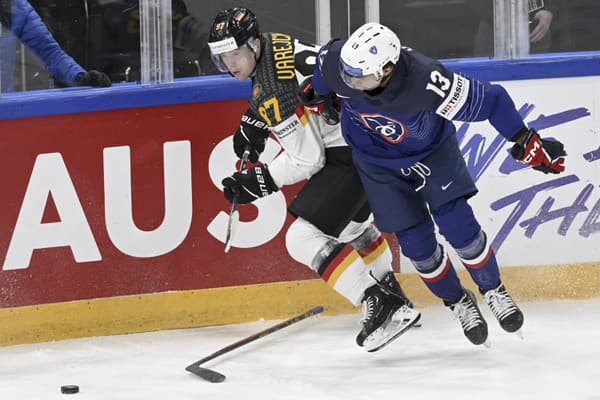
404, 319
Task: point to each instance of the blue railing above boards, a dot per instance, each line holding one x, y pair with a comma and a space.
223, 87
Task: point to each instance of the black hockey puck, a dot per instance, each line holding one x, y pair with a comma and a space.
69, 389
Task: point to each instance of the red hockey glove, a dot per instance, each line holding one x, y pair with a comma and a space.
541, 154
328, 106
251, 184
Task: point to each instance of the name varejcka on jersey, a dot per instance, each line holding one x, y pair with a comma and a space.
283, 54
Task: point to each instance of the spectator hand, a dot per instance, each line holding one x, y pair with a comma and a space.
93, 78
543, 19
543, 155
251, 184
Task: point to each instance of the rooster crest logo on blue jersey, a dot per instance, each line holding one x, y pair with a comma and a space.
391, 130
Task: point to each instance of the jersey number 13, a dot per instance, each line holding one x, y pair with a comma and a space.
440, 84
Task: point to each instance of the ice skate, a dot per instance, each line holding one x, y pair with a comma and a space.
471, 320
504, 309
387, 314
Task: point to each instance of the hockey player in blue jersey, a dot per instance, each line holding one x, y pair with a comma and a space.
397, 108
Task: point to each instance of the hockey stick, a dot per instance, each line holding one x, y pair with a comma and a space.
234, 215
216, 377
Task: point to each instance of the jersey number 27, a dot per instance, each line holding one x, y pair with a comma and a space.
273, 104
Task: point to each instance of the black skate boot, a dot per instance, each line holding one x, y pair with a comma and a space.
387, 314
471, 320
504, 309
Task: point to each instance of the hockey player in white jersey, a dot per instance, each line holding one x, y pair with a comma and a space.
333, 233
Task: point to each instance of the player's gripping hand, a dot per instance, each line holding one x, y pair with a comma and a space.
251, 184
253, 132
541, 154
328, 106
93, 78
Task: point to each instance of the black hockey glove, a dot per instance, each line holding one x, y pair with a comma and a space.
543, 155
92, 78
328, 106
253, 132
251, 184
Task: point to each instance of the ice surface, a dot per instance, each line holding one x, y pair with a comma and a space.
317, 359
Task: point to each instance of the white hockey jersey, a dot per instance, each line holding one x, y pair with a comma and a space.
284, 63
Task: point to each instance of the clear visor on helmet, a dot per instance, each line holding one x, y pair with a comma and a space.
217, 49
219, 63
226, 53
354, 78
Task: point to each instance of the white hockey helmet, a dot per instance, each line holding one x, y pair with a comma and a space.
366, 52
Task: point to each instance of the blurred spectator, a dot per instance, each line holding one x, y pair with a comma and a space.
583, 24
20, 21
541, 16
114, 40
439, 29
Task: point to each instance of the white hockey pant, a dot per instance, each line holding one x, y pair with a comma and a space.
345, 263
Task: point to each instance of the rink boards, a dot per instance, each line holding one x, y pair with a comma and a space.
113, 220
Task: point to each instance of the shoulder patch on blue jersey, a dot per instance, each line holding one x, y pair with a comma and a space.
456, 98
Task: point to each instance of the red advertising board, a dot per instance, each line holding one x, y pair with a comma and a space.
80, 142
127, 202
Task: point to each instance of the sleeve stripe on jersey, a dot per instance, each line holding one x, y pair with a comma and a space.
479, 98
302, 113
421, 126
473, 106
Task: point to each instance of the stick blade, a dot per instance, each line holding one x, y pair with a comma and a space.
205, 373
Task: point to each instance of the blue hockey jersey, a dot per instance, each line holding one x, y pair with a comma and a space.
407, 120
